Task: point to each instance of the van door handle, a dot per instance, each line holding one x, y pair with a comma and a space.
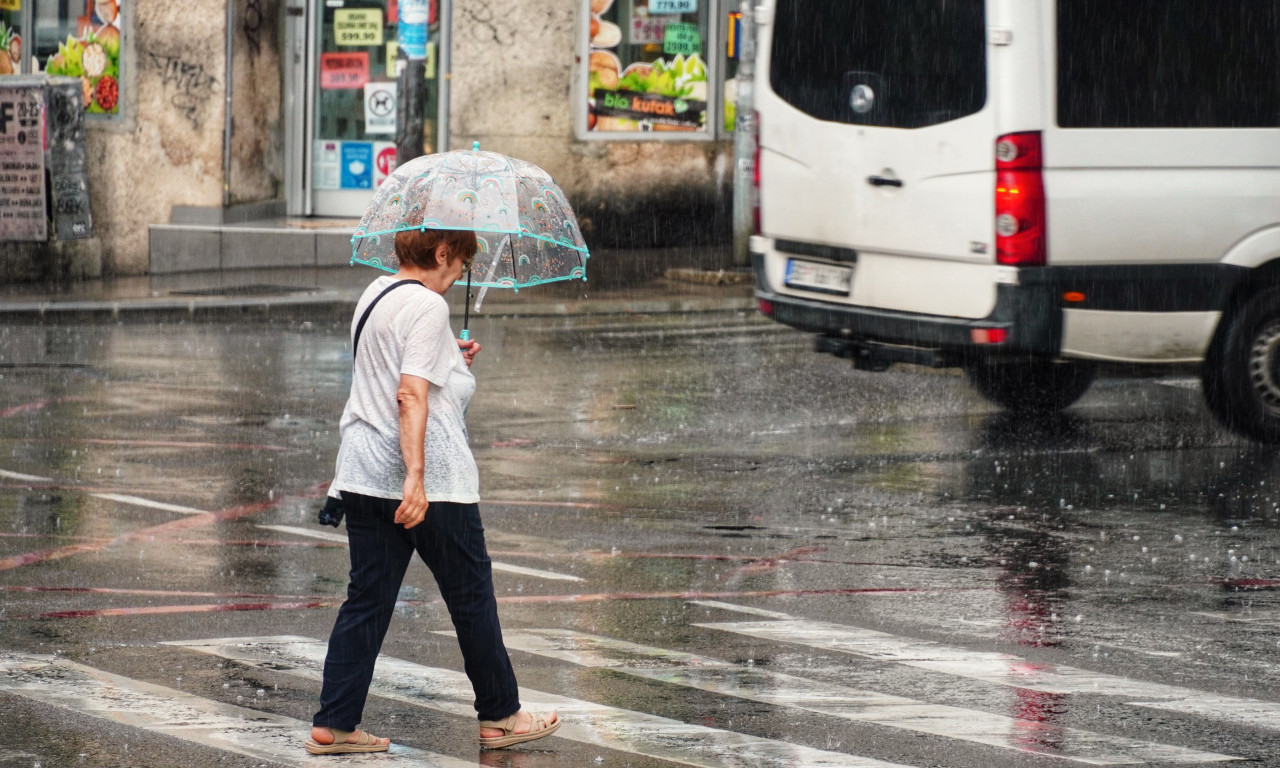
884, 181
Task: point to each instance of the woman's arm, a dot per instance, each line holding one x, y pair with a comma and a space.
411, 396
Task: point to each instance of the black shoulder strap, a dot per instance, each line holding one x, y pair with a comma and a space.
355, 343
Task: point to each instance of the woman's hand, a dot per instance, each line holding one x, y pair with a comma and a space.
470, 349
413, 507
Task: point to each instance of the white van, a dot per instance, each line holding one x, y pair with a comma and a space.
1026, 188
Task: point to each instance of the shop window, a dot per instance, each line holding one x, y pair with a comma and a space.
70, 38
10, 41
656, 67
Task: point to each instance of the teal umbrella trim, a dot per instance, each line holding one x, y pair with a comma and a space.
543, 238
577, 273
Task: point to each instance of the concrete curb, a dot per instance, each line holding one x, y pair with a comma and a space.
341, 302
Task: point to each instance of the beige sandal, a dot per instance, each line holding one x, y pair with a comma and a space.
541, 726
364, 742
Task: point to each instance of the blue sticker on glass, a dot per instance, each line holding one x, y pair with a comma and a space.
411, 34
357, 165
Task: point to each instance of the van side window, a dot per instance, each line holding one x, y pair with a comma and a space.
1168, 63
893, 63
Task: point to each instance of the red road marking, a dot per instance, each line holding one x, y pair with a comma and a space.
147, 534
168, 609
513, 599
1249, 583
160, 593
252, 543
164, 443
16, 409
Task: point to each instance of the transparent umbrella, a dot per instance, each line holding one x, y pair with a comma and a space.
526, 230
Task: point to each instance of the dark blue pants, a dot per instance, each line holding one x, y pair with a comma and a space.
451, 542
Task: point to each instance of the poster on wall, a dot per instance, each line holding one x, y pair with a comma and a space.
92, 55
10, 43
22, 190
650, 78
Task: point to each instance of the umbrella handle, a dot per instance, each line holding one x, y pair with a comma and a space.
465, 335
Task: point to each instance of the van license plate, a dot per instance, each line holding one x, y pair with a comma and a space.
823, 278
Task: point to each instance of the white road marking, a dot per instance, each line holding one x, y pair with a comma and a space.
587, 722
534, 572
741, 609
1248, 617
309, 533
1006, 669
342, 537
176, 714
720, 677
20, 476
138, 501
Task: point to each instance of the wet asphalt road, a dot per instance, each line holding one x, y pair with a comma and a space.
716, 547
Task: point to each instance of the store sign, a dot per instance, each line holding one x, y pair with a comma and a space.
10, 5
650, 108
344, 70
22, 190
358, 26
673, 6
380, 107
681, 39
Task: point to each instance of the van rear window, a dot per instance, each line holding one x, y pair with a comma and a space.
1168, 63
894, 63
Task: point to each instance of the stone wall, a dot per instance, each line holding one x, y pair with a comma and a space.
166, 150
257, 71
513, 69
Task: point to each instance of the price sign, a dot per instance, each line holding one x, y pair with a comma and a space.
358, 26
344, 70
681, 39
673, 6
646, 30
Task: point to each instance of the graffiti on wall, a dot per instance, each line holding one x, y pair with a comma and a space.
189, 84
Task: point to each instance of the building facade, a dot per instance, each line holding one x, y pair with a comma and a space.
201, 115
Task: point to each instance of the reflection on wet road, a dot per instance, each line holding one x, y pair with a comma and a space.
712, 547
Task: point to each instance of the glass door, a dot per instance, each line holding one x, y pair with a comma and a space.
353, 104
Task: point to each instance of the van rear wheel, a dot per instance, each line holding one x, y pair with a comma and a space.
1241, 375
1030, 385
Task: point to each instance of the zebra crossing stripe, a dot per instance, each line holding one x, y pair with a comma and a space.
600, 725
180, 715
724, 678
138, 501
1007, 669
21, 476
342, 537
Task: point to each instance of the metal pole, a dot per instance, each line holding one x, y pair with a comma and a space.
228, 104
411, 78
744, 137
411, 85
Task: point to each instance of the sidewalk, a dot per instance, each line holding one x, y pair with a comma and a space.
328, 290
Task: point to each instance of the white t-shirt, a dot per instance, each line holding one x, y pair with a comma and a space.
407, 332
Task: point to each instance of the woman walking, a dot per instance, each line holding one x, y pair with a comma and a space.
407, 482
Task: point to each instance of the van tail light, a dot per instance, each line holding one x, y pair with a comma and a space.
755, 177
1020, 207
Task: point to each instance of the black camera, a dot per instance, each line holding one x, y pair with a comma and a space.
331, 513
